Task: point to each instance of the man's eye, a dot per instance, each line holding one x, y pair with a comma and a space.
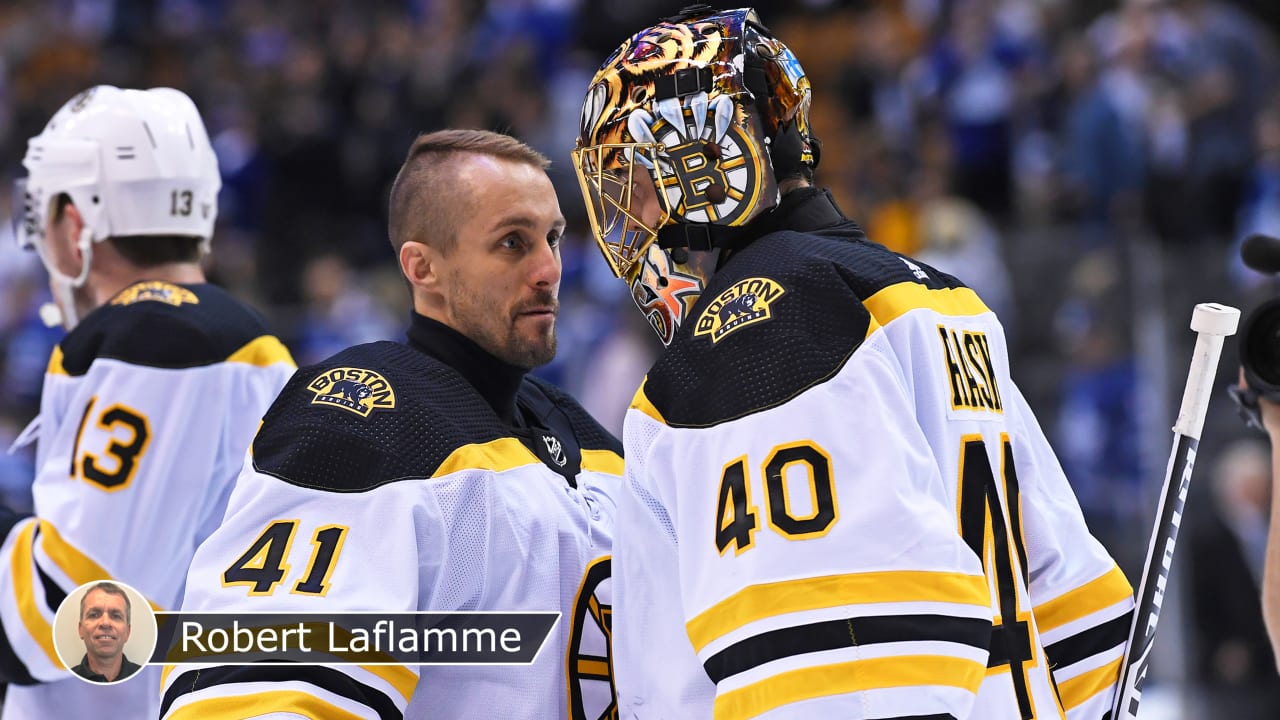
511, 242
553, 239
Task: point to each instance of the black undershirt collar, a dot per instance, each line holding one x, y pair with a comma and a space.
494, 379
807, 209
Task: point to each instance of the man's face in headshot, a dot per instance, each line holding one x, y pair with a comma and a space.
104, 624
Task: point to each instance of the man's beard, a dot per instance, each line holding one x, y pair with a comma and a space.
504, 341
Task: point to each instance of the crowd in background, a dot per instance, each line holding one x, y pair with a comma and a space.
1089, 167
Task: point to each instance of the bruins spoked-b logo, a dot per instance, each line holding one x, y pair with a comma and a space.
592, 695
355, 389
745, 303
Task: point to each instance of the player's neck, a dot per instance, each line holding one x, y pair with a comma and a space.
109, 282
110, 668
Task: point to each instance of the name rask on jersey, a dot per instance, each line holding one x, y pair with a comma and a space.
968, 366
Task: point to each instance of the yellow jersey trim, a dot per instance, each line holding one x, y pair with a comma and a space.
404, 680
1080, 688
55, 363
757, 602
641, 402
894, 301
75, 564
495, 455
848, 677
21, 564
605, 461
1111, 588
262, 351
262, 703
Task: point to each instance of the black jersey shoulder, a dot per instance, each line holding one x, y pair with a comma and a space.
163, 325
561, 410
383, 412
782, 315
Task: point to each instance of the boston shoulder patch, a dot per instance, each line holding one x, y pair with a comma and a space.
156, 291
355, 389
746, 302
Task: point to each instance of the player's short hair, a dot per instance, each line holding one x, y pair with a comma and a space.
146, 251
109, 588
424, 201
151, 250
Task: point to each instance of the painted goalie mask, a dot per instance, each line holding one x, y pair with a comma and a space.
686, 130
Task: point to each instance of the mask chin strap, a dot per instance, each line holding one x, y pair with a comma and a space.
64, 286
680, 238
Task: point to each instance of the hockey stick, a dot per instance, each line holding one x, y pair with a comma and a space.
1212, 323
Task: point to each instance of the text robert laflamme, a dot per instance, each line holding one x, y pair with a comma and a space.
332, 638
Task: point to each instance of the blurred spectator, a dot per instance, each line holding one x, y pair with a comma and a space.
957, 238
1230, 68
1097, 427
1228, 545
1103, 158
970, 75
1260, 210
339, 313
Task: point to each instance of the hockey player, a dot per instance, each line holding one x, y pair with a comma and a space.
837, 503
150, 400
438, 475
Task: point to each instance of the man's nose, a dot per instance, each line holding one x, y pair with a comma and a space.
545, 266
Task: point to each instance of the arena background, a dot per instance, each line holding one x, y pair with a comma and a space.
1089, 167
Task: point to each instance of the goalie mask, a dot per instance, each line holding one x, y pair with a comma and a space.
133, 162
686, 131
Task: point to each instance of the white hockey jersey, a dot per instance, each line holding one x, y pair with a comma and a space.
837, 504
432, 504
147, 408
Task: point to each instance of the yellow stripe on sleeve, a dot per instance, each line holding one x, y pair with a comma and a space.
238, 707
75, 564
262, 351
21, 566
605, 461
1080, 688
896, 300
1111, 588
756, 602
848, 677
399, 677
55, 366
496, 456
641, 402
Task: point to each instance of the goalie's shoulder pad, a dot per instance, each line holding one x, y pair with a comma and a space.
782, 315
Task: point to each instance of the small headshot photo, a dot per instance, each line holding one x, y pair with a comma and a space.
104, 631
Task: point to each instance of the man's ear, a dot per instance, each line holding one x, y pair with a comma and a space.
420, 264
75, 222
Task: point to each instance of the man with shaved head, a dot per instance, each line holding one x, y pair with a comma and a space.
430, 475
